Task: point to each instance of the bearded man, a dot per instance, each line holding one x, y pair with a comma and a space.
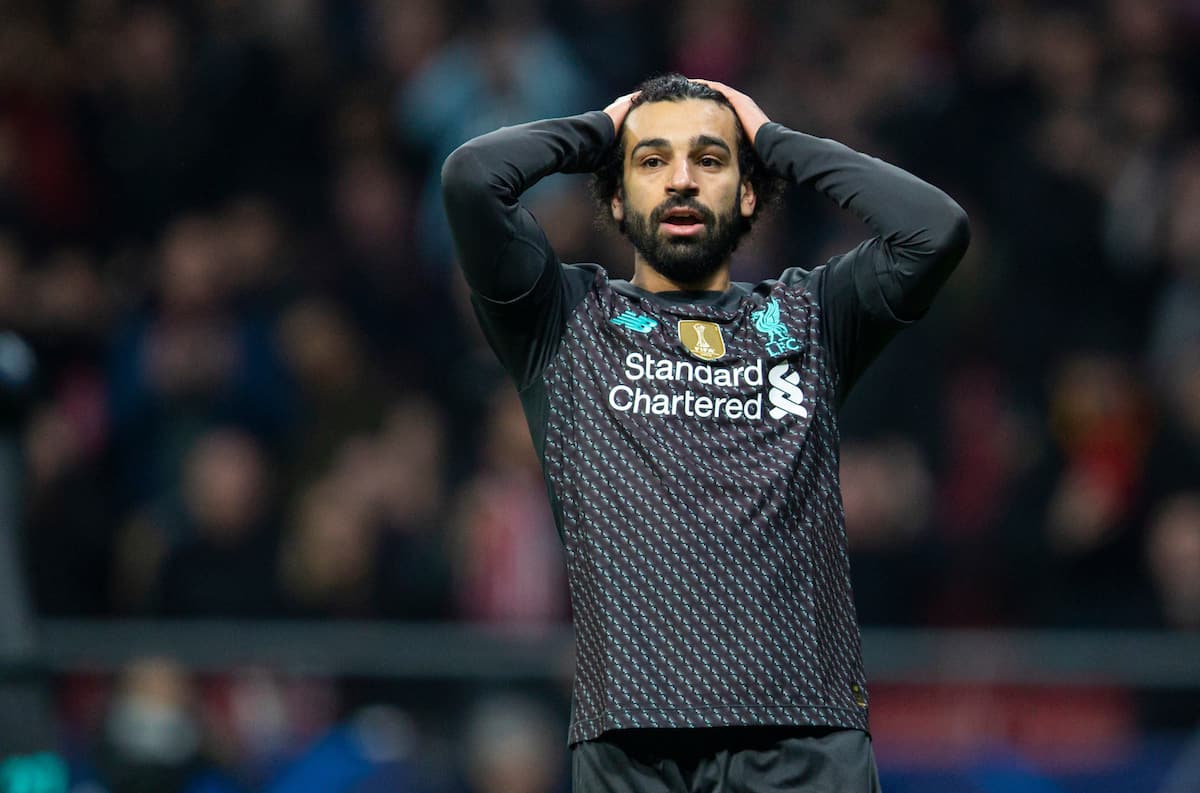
687, 427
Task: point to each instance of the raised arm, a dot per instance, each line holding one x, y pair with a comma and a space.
501, 249
922, 232
517, 283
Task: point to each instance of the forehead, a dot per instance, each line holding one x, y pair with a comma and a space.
680, 122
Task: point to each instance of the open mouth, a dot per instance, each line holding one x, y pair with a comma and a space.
682, 221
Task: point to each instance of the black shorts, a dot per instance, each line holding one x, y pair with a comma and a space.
726, 760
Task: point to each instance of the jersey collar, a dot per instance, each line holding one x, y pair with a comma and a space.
727, 301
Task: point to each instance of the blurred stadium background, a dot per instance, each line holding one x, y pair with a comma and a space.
269, 516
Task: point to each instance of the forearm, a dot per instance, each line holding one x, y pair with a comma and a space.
500, 248
922, 232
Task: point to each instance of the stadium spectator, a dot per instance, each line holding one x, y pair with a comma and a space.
202, 552
507, 66
506, 561
511, 747
341, 391
367, 540
189, 359
887, 490
1173, 553
153, 738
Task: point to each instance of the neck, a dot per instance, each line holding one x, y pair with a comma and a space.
646, 277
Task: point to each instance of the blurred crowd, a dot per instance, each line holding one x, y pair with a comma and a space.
160, 729
261, 392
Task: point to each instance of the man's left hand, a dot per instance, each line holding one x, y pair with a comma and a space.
747, 110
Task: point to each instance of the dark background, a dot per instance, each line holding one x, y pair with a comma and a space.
260, 392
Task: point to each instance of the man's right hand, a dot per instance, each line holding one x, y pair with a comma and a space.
619, 109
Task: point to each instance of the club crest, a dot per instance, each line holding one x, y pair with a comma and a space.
768, 322
702, 339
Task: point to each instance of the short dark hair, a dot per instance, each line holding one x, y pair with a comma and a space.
606, 181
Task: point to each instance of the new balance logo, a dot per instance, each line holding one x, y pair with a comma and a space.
637, 322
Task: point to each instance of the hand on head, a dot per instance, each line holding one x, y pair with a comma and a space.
619, 109
748, 112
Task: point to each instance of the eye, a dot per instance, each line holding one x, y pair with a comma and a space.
653, 161
709, 161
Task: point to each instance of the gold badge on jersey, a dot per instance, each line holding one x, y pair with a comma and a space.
702, 339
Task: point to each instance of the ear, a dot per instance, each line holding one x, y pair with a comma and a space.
748, 200
617, 205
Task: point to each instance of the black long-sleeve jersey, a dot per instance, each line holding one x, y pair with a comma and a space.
689, 440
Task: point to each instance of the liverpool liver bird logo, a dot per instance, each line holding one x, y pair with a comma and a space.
779, 339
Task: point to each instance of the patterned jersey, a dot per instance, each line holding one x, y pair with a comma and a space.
689, 439
690, 448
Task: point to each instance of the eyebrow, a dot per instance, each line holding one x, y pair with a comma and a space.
709, 140
652, 143
697, 142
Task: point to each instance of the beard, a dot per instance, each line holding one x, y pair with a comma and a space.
686, 260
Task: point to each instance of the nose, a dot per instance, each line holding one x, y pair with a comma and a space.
681, 178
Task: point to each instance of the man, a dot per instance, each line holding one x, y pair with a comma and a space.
687, 428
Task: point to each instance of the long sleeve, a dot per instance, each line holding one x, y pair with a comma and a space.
889, 280
519, 289
501, 249
922, 232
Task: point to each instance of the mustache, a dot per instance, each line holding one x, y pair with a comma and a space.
683, 202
